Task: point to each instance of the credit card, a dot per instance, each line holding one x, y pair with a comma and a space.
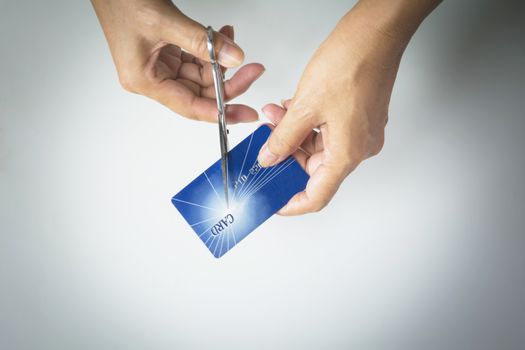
255, 194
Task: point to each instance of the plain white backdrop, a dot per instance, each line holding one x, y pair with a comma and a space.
423, 246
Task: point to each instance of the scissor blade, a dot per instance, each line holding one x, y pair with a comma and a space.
224, 167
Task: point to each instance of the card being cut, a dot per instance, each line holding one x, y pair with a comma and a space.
255, 194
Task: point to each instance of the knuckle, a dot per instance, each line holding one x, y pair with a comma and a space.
378, 145
190, 114
303, 113
318, 206
279, 145
187, 111
199, 43
128, 80
376, 141
348, 161
302, 117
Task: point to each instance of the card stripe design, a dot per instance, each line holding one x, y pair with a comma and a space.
257, 194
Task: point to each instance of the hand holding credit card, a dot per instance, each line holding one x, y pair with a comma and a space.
256, 193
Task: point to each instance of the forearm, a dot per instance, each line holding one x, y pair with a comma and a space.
384, 24
398, 18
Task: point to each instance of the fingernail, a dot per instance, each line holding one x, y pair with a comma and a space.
266, 158
285, 103
282, 211
260, 73
230, 55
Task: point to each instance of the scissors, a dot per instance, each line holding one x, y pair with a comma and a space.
218, 81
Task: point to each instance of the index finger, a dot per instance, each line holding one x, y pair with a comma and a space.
182, 100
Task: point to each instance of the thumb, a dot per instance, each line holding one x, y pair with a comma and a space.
193, 37
286, 138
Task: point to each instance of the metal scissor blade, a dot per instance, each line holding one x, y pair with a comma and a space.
218, 82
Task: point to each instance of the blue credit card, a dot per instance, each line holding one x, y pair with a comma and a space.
255, 194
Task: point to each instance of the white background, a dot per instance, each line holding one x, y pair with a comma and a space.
423, 246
